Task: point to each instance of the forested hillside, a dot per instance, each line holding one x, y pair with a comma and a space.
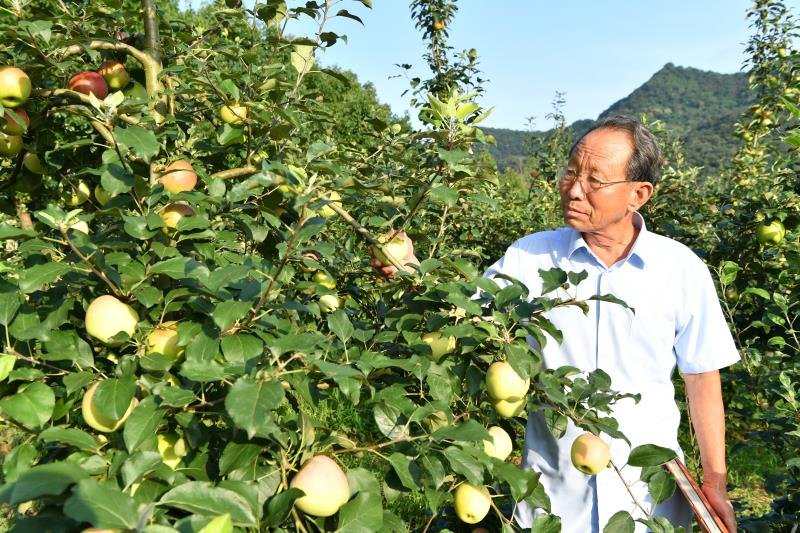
701, 107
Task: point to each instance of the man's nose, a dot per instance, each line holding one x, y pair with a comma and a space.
575, 189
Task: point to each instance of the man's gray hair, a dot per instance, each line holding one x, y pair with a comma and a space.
645, 161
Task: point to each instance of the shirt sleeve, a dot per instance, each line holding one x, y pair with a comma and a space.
703, 340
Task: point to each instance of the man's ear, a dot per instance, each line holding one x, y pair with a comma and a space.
640, 194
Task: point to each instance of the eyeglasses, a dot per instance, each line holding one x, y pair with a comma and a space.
589, 185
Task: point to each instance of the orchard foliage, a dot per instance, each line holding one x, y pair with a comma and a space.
243, 331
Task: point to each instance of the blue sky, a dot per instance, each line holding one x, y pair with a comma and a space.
595, 52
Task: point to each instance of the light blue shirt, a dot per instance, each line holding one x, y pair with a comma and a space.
678, 322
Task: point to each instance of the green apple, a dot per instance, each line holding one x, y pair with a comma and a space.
472, 502
440, 346
32, 162
96, 420
772, 233
15, 87
79, 194
106, 316
329, 303
325, 486
500, 445
102, 196
81, 226
233, 114
503, 382
163, 339
172, 449
219, 524
324, 279
590, 454
509, 408
10, 145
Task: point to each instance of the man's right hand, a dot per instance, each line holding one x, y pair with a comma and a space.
385, 268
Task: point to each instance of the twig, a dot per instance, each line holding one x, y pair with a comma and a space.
99, 273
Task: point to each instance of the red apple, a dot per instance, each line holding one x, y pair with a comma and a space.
17, 121
89, 82
115, 74
178, 176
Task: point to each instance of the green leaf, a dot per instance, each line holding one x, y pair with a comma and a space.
114, 176
207, 500
620, 522
6, 365
464, 464
552, 279
142, 141
227, 313
362, 514
50, 479
9, 303
241, 347
661, 486
142, 424
340, 325
302, 58
18, 461
176, 267
406, 470
35, 277
237, 455
139, 464
757, 291
650, 455
67, 345
31, 407
220, 524
280, 506
469, 431
112, 398
102, 505
69, 436
249, 404
546, 524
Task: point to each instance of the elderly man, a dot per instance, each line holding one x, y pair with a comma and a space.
678, 321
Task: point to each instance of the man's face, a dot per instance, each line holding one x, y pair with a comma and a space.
600, 158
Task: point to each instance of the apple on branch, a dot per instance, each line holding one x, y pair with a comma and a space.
32, 162
114, 74
95, 419
106, 316
590, 454
173, 213
79, 194
178, 176
17, 121
472, 502
89, 82
399, 246
10, 145
772, 233
15, 87
233, 114
506, 389
499, 445
325, 486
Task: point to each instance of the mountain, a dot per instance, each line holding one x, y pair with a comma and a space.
700, 106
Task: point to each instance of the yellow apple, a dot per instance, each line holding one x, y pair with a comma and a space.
329, 303
500, 445
233, 114
172, 448
508, 408
472, 502
178, 176
32, 162
15, 87
10, 145
440, 346
219, 524
327, 211
436, 420
325, 280
173, 213
97, 421
590, 454
106, 316
79, 194
164, 340
324, 484
503, 382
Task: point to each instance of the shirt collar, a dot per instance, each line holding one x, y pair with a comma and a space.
638, 250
